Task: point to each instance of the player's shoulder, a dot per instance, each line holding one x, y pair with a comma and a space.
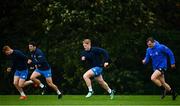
17, 51
96, 48
161, 46
38, 50
83, 52
148, 49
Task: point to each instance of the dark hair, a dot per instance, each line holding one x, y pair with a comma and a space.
32, 43
150, 39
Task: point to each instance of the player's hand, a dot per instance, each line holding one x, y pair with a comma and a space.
8, 69
106, 64
31, 68
173, 66
83, 58
36, 66
29, 61
144, 61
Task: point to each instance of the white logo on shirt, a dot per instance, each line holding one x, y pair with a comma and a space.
156, 53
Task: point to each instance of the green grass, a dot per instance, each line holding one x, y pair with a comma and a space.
95, 100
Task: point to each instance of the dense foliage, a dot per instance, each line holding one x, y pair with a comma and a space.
119, 26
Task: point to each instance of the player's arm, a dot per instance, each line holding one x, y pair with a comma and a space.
10, 66
40, 58
22, 56
106, 56
30, 62
32, 66
83, 56
168, 51
147, 57
9, 69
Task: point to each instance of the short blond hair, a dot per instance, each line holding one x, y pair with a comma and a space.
6, 48
87, 41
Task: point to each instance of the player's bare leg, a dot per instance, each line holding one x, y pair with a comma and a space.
16, 84
87, 79
34, 77
26, 83
167, 87
155, 77
37, 81
53, 86
101, 81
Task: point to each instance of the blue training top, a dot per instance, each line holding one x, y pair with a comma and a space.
159, 54
38, 58
19, 60
93, 56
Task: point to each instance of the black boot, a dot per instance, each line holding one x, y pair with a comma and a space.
43, 90
163, 92
59, 96
174, 94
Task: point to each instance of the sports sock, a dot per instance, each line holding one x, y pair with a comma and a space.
109, 90
41, 85
22, 93
58, 92
90, 88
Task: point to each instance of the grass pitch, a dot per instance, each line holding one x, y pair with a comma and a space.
95, 100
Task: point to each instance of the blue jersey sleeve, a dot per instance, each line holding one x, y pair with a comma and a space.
147, 57
166, 50
156, 42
